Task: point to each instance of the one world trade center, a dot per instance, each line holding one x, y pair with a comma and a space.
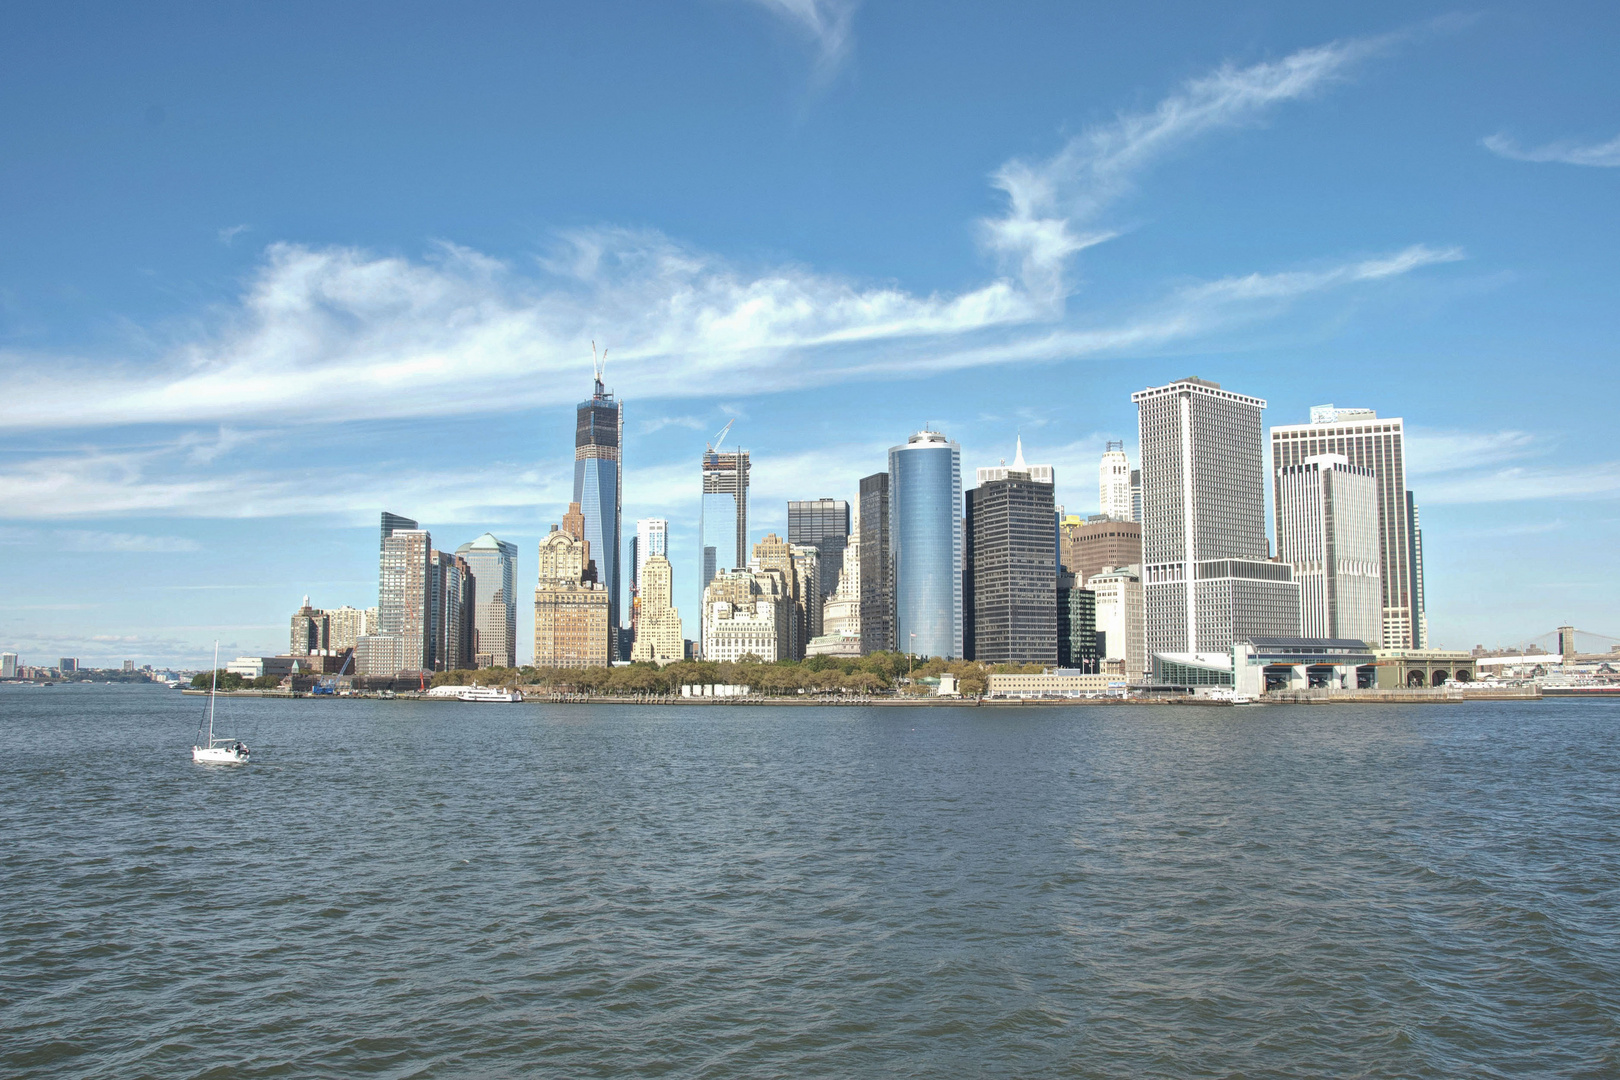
599, 487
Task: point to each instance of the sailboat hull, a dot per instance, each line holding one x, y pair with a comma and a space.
218, 755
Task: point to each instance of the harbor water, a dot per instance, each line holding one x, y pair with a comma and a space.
416, 889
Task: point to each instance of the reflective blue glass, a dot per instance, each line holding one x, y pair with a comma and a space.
925, 543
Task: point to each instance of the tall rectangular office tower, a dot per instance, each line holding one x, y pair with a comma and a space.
1114, 488
652, 538
824, 525
1327, 530
492, 563
877, 592
925, 544
1367, 442
599, 484
405, 596
723, 517
1010, 588
1207, 578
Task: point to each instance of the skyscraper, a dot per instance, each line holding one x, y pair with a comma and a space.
1327, 530
925, 544
571, 609
392, 523
1414, 532
652, 538
1097, 544
1118, 594
823, 524
658, 624
453, 606
877, 581
723, 520
1208, 580
311, 631
1114, 484
599, 484
1076, 625
1010, 581
1365, 441
492, 564
404, 598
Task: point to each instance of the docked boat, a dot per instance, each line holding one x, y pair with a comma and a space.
488, 695
212, 749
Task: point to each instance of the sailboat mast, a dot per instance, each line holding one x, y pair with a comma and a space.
212, 688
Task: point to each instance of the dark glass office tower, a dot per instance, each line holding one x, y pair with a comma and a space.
1079, 643
1010, 577
392, 523
824, 525
599, 485
877, 595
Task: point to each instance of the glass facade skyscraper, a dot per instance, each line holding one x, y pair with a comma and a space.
723, 524
877, 594
599, 485
491, 562
824, 525
925, 544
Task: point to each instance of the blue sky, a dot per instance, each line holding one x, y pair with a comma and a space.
268, 270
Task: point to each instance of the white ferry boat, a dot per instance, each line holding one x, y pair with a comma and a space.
487, 694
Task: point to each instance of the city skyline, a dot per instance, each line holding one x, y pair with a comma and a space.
1352, 207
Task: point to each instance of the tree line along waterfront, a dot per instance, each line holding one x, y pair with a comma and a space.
876, 673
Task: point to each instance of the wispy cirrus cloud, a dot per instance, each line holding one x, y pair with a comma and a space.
1449, 467
1602, 155
1053, 204
828, 24
96, 542
318, 329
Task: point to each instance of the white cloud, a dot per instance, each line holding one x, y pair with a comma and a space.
659, 423
92, 541
1052, 202
1602, 155
1431, 451
228, 234
1596, 481
827, 23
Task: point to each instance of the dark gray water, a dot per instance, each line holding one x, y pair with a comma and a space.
430, 890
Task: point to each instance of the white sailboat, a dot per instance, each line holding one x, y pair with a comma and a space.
216, 751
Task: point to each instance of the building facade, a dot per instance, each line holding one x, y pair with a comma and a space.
1118, 606
454, 602
1009, 593
658, 624
492, 564
347, 624
825, 525
1327, 531
876, 573
747, 614
311, 631
1076, 626
1207, 577
405, 597
599, 484
926, 544
1089, 547
1114, 484
1367, 442
573, 625
8, 665
723, 516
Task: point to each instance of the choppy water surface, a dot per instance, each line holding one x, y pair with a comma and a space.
413, 890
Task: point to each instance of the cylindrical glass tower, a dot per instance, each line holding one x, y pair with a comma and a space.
925, 544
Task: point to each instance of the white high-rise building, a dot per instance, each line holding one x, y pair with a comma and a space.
1327, 530
1207, 580
8, 665
1114, 484
1366, 441
652, 538
1119, 618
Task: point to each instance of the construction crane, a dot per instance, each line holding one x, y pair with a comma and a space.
598, 366
327, 684
714, 448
